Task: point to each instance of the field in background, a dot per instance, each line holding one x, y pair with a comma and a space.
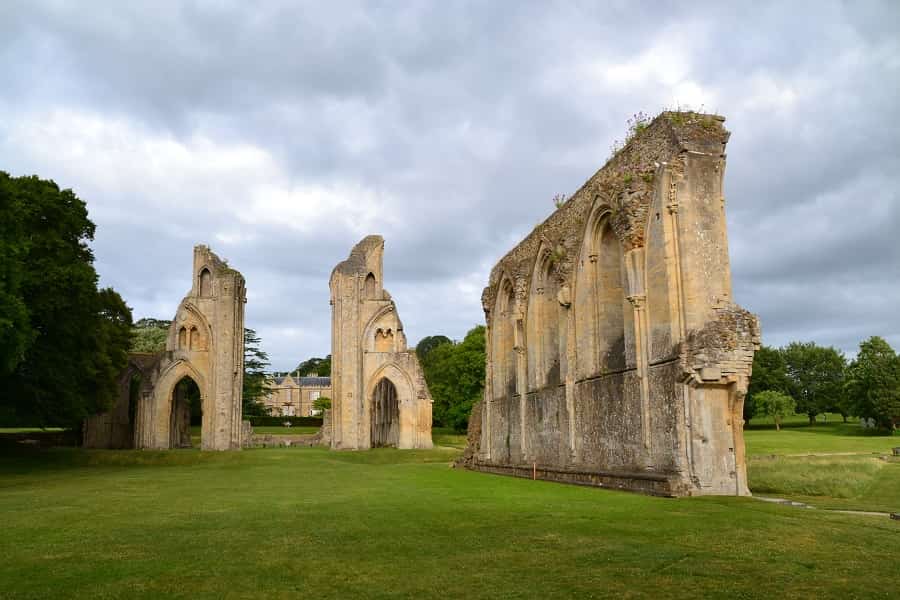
831, 464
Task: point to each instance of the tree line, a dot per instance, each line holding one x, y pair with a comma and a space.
63, 339
805, 378
454, 372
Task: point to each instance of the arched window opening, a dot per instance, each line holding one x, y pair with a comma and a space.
384, 340
503, 343
182, 339
601, 314
194, 339
385, 414
370, 286
186, 417
205, 283
543, 325
610, 302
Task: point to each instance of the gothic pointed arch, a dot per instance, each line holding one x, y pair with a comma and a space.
503, 351
542, 323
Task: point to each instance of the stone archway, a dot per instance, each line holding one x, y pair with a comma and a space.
118, 428
385, 414
170, 413
206, 344
186, 400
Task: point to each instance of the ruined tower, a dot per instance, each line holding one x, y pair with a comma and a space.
379, 393
205, 343
615, 355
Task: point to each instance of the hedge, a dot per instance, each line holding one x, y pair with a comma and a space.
280, 421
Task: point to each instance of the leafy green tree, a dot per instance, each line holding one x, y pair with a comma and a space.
61, 364
149, 335
314, 366
873, 383
816, 377
770, 403
256, 383
769, 373
455, 376
429, 343
16, 332
321, 404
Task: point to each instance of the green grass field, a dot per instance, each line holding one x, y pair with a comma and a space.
280, 523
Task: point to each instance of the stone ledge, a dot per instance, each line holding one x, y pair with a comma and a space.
654, 484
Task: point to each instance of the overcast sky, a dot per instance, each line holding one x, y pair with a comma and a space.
282, 135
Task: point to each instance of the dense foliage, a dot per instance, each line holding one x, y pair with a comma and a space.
429, 343
455, 375
321, 404
873, 383
149, 335
313, 367
63, 341
256, 384
819, 380
769, 373
815, 377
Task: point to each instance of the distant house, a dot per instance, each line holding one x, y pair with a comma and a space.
293, 396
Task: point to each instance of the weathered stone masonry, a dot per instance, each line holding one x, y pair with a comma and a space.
615, 355
206, 344
380, 397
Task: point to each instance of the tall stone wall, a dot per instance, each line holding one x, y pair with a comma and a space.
379, 394
206, 344
615, 355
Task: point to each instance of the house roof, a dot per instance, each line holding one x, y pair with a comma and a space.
287, 380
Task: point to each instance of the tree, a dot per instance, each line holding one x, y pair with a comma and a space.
771, 403
873, 383
321, 404
64, 341
149, 335
314, 366
815, 377
256, 383
16, 333
455, 376
429, 343
769, 373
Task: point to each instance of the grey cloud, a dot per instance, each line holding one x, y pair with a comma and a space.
465, 119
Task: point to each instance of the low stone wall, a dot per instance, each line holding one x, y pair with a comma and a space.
282, 441
653, 484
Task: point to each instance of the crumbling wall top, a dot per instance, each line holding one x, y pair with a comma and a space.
355, 264
624, 185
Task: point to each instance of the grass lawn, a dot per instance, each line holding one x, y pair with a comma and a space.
28, 429
797, 436
846, 473
280, 523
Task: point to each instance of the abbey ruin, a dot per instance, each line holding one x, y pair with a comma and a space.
615, 355
379, 393
205, 344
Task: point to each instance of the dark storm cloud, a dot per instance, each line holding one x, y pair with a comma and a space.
281, 135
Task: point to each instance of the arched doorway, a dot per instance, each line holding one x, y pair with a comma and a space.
385, 414
187, 411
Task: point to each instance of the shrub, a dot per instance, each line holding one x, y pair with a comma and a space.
268, 421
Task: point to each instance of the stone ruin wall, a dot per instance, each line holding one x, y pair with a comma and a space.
368, 355
615, 355
205, 343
